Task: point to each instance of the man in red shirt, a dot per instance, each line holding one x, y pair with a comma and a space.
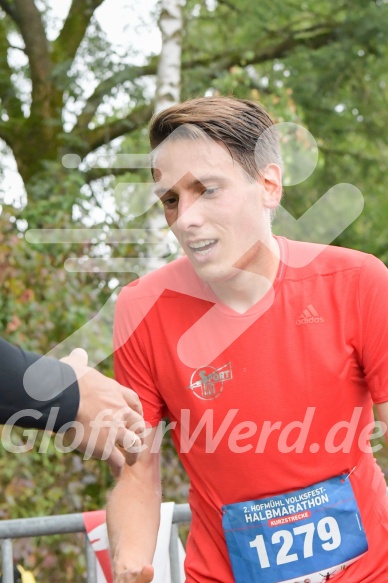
266, 355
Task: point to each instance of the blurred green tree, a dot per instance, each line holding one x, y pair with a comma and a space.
319, 64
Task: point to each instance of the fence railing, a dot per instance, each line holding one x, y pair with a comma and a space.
73, 523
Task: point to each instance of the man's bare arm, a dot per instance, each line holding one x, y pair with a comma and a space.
133, 515
382, 412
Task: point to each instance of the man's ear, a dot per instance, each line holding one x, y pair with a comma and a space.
271, 179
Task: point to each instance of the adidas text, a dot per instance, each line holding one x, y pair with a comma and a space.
312, 320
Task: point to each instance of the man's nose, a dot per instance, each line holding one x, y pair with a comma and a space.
189, 214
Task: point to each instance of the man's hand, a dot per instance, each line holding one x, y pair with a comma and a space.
110, 415
146, 575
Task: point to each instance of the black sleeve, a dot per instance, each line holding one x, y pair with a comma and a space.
58, 388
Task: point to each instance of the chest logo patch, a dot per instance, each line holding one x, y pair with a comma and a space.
207, 382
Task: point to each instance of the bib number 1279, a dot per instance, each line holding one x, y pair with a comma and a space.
327, 530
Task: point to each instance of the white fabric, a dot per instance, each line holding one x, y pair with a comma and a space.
161, 561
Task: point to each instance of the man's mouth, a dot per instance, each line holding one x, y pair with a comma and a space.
202, 247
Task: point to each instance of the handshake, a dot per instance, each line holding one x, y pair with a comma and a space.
87, 410
109, 423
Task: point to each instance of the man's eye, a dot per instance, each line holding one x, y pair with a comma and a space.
210, 190
169, 201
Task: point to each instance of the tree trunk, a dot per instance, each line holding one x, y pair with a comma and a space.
169, 69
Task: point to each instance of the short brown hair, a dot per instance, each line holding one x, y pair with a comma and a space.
243, 126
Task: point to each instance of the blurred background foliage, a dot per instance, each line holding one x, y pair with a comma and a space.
66, 90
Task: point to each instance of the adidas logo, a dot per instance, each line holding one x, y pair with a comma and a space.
309, 316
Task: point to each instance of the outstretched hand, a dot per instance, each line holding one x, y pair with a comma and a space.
109, 418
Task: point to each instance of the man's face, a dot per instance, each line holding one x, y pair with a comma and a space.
219, 215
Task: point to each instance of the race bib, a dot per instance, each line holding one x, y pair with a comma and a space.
305, 536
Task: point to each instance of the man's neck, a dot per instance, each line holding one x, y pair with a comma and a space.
248, 287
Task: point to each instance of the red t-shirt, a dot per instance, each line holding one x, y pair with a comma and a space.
239, 388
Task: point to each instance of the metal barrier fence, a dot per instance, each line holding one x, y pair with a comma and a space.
71, 523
